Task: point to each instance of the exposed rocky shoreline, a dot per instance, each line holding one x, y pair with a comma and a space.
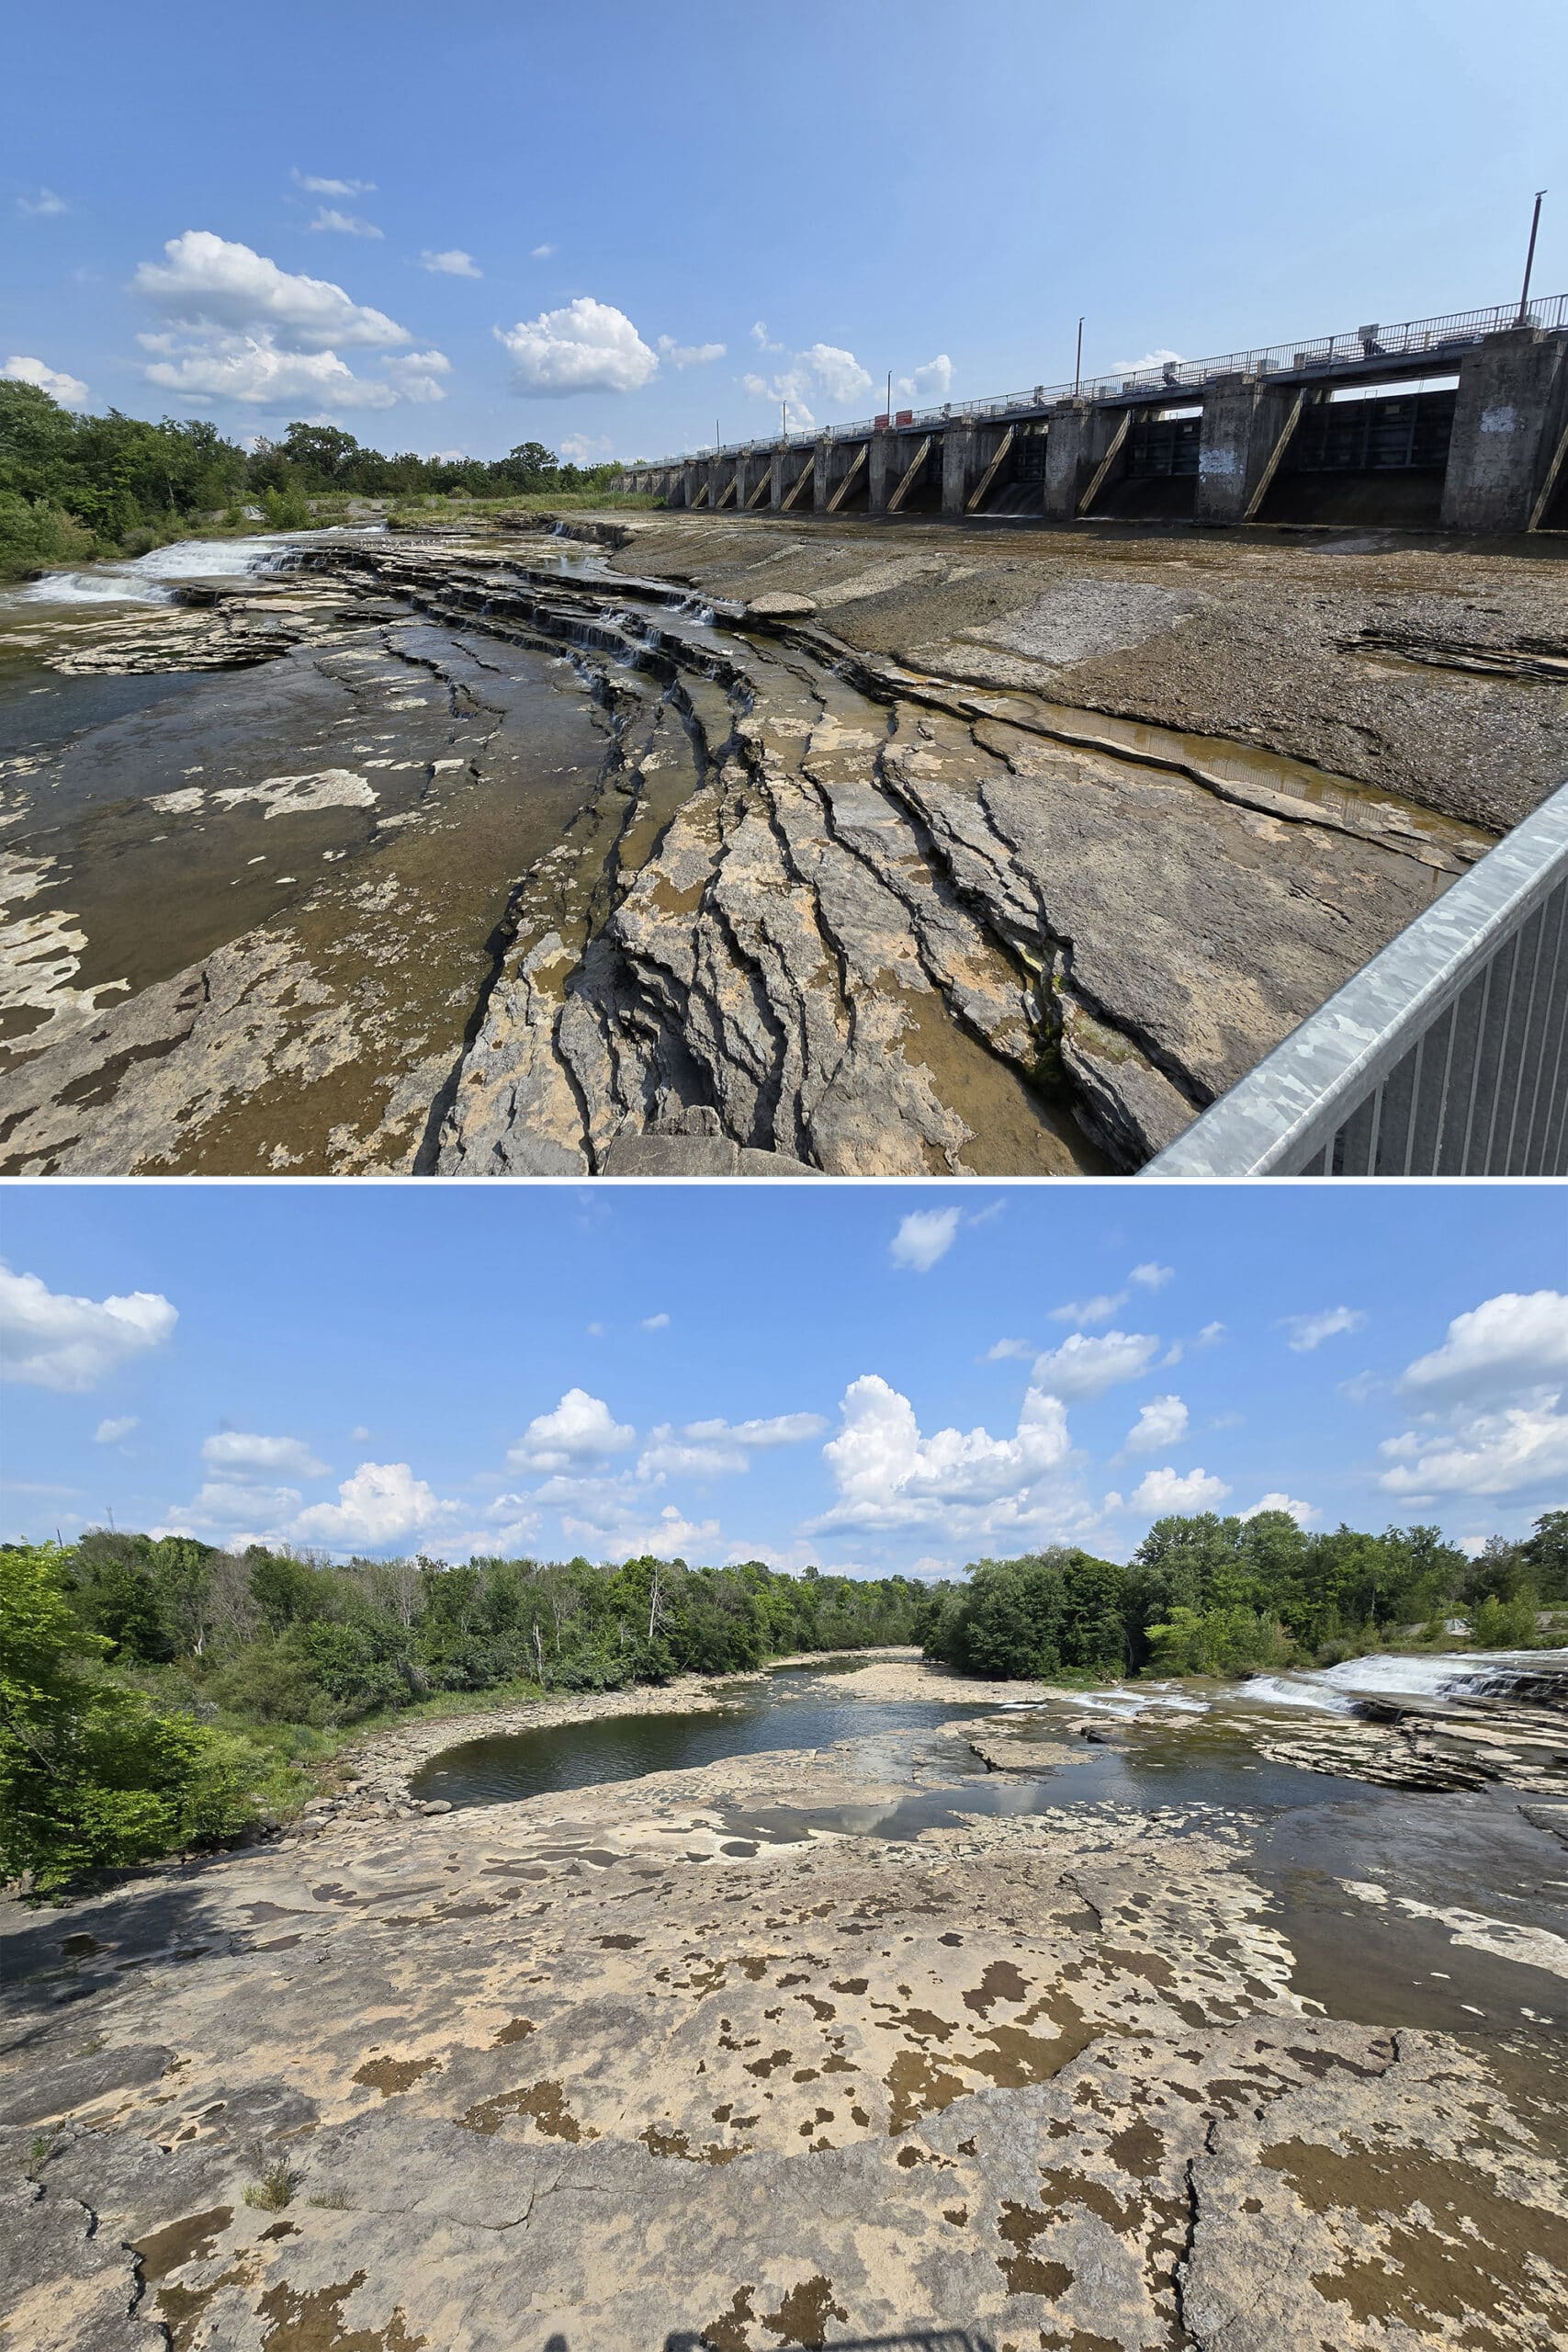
836, 893
619, 2069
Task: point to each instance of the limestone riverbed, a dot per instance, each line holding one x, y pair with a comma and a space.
811, 2045
713, 846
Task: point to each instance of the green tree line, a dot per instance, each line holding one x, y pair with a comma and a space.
159, 1693
72, 487
156, 1692
1207, 1594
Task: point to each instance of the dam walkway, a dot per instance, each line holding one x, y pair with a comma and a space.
1458, 422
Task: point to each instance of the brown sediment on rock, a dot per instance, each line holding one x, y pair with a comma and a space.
390, 2076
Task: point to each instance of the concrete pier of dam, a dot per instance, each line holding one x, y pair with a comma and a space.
1457, 424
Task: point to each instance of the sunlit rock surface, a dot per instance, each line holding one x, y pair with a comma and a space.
602, 2070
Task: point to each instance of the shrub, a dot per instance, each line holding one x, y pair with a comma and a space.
1505, 1624
288, 509
1218, 1641
36, 533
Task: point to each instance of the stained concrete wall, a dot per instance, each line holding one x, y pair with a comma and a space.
1242, 422
960, 469
885, 470
1508, 418
1078, 441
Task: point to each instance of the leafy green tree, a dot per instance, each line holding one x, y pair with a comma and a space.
1546, 1552
91, 1774
323, 455
287, 1590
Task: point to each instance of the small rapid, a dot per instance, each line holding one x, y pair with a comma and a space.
145, 579
1465, 1674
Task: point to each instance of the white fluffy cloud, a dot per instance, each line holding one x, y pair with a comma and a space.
242, 1453
588, 346
1514, 1341
1099, 1309
253, 370
929, 385
1493, 1395
207, 281
715, 1449
383, 1502
1001, 1350
222, 1505
44, 205
581, 1429
1150, 359
668, 1537
1502, 1452
313, 186
239, 328
540, 253
453, 263
1083, 1367
1299, 1512
1162, 1421
112, 1432
888, 1476
344, 225
50, 1340
689, 354
1309, 1331
824, 372
1171, 1490
69, 391
923, 1237
656, 1322
416, 375
1151, 1277
783, 1429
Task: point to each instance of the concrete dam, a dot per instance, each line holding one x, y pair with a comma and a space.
1455, 424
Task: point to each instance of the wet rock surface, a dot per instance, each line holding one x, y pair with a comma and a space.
868, 900
593, 2070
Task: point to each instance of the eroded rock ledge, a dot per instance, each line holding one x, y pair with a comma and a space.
819, 904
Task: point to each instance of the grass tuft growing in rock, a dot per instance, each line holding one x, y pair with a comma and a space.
278, 2186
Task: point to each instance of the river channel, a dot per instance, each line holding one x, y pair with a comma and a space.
1448, 1912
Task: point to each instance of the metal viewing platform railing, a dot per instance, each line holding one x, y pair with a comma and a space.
1445, 1055
1368, 349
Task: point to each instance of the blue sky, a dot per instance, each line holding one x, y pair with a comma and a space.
867, 1376
606, 227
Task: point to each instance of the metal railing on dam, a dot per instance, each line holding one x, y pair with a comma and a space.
1445, 1055
1360, 353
